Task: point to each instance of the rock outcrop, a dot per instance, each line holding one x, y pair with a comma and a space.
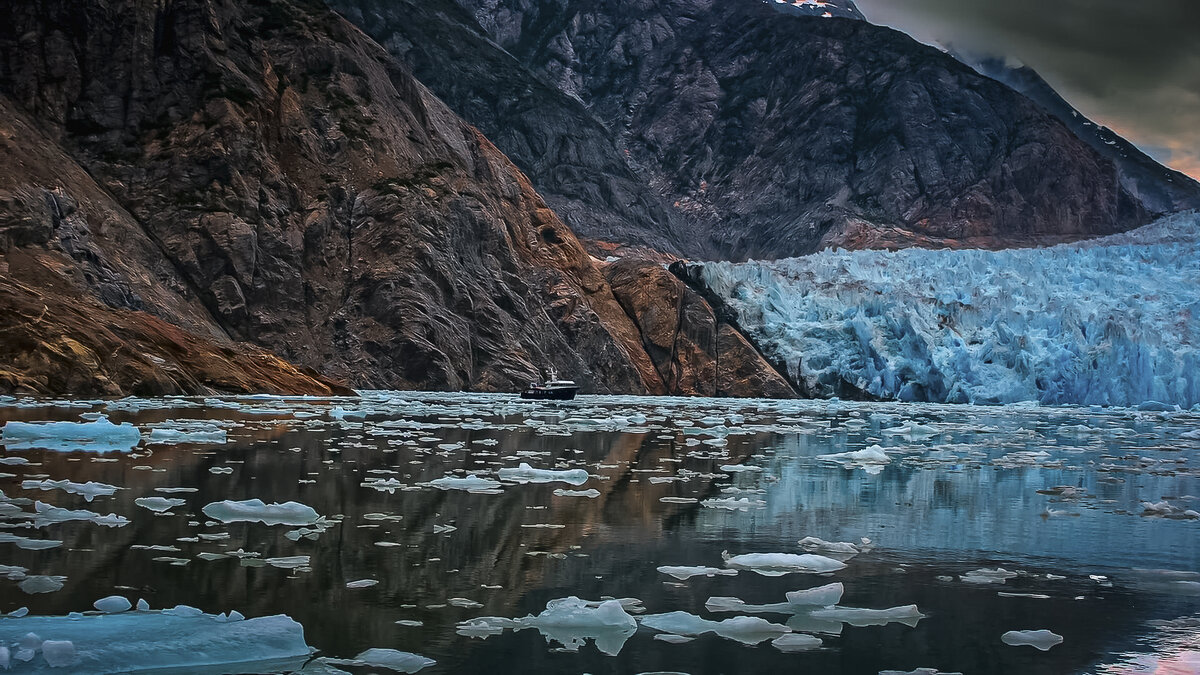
261, 171
772, 134
695, 352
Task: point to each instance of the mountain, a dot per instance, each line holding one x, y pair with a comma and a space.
779, 135
842, 9
1161, 189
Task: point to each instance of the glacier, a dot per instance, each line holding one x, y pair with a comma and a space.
1112, 321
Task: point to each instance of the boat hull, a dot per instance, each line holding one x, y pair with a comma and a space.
550, 394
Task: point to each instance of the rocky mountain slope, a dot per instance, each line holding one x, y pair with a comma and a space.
1161, 189
776, 135
261, 171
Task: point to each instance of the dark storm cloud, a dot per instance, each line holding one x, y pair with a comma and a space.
1132, 65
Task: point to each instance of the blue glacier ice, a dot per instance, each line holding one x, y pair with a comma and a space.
1113, 321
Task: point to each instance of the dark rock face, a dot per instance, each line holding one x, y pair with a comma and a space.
695, 352
773, 134
262, 171
570, 157
1161, 189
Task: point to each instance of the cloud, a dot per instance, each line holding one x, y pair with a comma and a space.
1132, 66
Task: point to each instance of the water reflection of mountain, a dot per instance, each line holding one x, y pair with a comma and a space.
937, 519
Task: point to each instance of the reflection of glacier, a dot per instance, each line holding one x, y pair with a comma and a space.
1116, 321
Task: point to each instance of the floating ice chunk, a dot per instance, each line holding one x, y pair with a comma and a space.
839, 548
1039, 639
987, 576
527, 474
471, 483
683, 573
59, 653
918, 671
570, 622
289, 562
159, 504
745, 629
1157, 406
911, 430
737, 468
871, 459
796, 642
391, 659
27, 543
733, 504
41, 583
779, 564
821, 596
724, 604
184, 611
362, 583
907, 614
90, 490
142, 605
45, 514
591, 493
255, 511
210, 435
113, 604
153, 641
99, 436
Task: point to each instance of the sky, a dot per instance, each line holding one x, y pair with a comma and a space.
1131, 65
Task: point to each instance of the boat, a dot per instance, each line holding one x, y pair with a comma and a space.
553, 389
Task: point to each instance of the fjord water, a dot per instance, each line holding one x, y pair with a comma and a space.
1056, 497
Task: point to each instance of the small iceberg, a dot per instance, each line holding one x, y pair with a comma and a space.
100, 436
683, 572
908, 615
1038, 639
570, 621
749, 630
255, 511
872, 459
471, 483
779, 564
89, 490
199, 644
390, 659
527, 474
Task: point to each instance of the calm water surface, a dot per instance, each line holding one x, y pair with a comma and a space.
1052, 495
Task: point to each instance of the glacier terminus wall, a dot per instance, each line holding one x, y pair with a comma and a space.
1113, 321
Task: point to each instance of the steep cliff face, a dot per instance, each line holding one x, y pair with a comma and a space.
570, 157
262, 171
695, 351
1161, 189
775, 135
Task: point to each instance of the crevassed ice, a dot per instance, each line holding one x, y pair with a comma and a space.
1114, 321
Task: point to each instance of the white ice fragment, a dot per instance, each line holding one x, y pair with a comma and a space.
822, 596
59, 653
99, 436
113, 604
871, 459
184, 611
289, 562
796, 642
527, 474
161, 642
362, 583
744, 629
987, 576
907, 614
779, 564
590, 493
471, 483
733, 504
159, 504
1039, 639
683, 573
391, 659
737, 468
254, 510
142, 605
41, 583
90, 490
187, 432
837, 547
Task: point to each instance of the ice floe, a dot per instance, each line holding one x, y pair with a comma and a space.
255, 511
390, 659
527, 474
90, 490
159, 504
779, 564
470, 483
1039, 639
683, 573
745, 629
99, 436
570, 622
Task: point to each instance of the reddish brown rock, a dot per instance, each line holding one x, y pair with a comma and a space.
694, 352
